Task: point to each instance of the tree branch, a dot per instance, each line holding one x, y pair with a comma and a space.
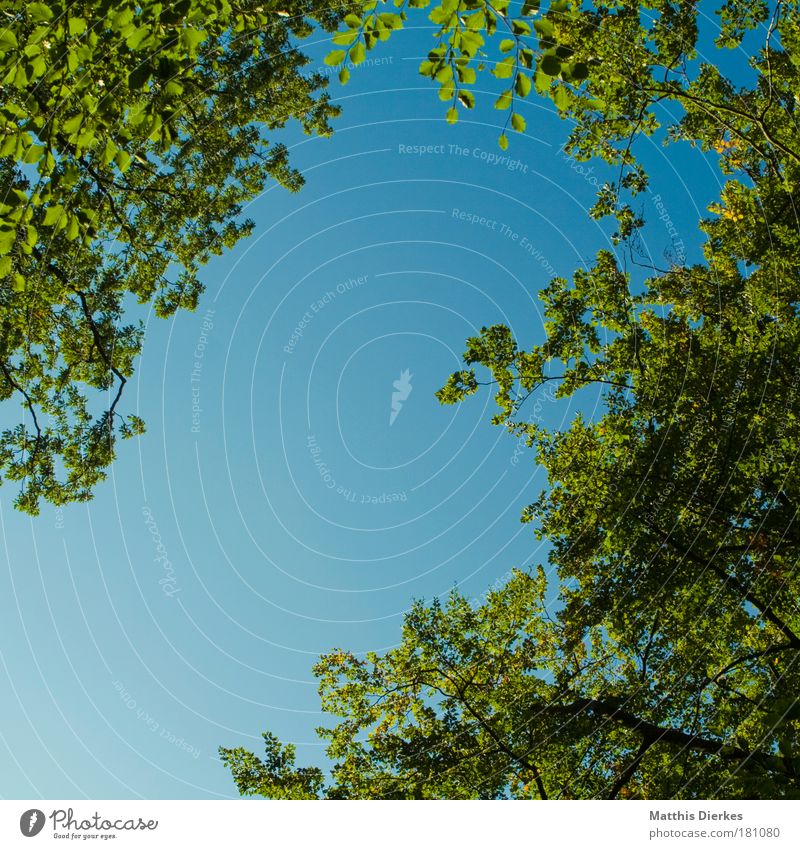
631, 768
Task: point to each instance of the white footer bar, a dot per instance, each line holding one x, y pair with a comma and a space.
400, 825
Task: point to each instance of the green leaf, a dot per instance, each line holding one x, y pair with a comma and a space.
353, 21
77, 26
522, 86
476, 21
39, 34
452, 115
358, 53
15, 197
38, 12
137, 114
580, 71
33, 154
526, 57
5, 264
467, 98
344, 76
21, 78
518, 123
507, 44
7, 239
9, 145
191, 38
109, 152
73, 227
138, 77
85, 139
121, 19
561, 98
71, 174
467, 75
123, 160
8, 41
135, 39
503, 141
550, 65
37, 68
173, 89
541, 81
346, 37
444, 74
471, 42
391, 20
504, 101
335, 57
441, 15
52, 215
505, 68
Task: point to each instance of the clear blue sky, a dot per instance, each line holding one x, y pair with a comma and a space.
284, 515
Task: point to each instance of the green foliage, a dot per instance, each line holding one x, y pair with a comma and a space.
609, 68
131, 135
670, 666
275, 775
502, 700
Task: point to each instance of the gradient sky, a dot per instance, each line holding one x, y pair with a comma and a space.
272, 512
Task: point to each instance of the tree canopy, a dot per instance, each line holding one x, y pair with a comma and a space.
131, 134
669, 666
617, 70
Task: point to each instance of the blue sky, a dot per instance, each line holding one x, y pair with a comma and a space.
272, 512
